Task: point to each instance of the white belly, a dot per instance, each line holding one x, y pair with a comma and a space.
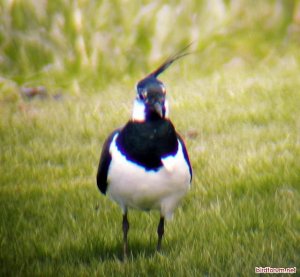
132, 186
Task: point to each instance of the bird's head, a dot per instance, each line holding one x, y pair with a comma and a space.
151, 102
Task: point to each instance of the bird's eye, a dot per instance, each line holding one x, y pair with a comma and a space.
143, 95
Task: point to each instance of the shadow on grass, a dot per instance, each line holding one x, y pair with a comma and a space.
103, 252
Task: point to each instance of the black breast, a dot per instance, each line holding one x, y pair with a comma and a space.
146, 142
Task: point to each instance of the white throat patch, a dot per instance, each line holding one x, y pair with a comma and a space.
138, 113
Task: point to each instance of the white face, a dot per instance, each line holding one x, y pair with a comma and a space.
138, 113
139, 110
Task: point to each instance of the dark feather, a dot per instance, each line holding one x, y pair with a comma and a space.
145, 143
186, 155
169, 61
104, 163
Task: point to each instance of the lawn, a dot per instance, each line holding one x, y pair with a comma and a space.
239, 115
242, 133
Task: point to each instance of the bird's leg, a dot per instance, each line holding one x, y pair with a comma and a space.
125, 226
160, 232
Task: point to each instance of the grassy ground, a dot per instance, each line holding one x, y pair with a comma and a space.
235, 101
242, 130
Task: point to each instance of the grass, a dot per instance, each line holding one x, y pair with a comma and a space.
80, 45
235, 101
242, 130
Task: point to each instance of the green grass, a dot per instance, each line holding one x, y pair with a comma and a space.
81, 46
235, 101
242, 131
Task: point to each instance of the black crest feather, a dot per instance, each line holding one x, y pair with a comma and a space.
170, 60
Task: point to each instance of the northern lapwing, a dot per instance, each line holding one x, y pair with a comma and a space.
145, 164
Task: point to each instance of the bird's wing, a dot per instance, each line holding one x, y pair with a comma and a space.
185, 154
104, 163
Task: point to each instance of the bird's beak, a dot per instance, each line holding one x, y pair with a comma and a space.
158, 109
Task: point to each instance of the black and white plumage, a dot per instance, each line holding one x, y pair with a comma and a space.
145, 164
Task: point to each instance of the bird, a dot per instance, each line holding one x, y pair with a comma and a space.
145, 164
